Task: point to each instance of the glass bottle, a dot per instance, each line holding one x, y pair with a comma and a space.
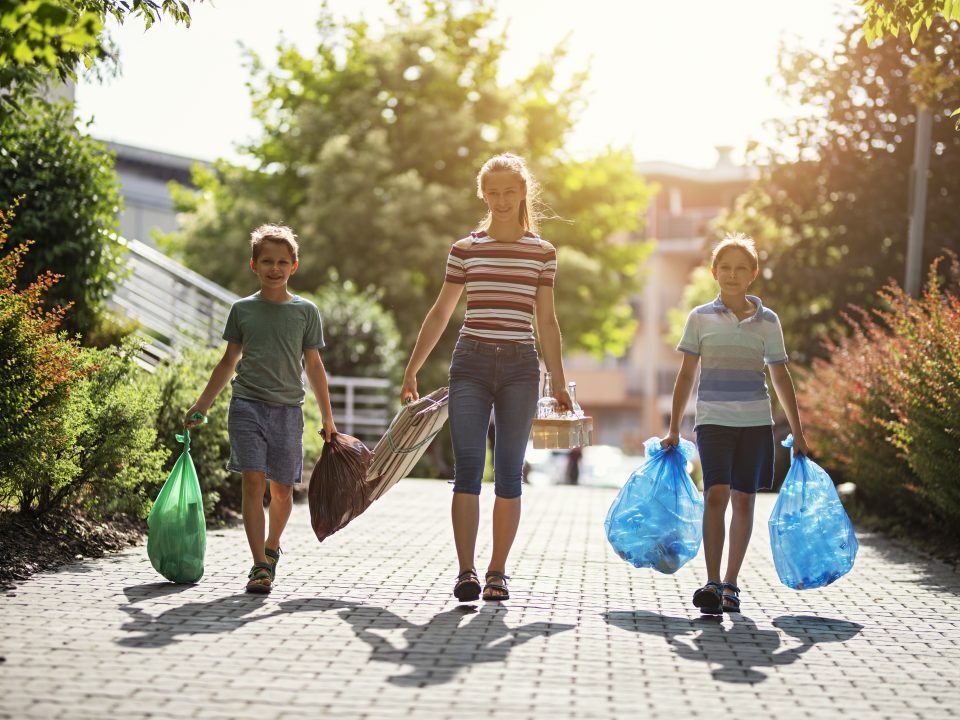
574, 405
547, 405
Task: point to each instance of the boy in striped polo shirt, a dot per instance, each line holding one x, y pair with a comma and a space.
732, 339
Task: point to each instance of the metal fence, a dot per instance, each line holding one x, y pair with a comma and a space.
175, 308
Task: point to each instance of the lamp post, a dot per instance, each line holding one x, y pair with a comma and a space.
918, 201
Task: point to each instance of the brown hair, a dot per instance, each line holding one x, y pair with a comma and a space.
740, 242
275, 234
508, 162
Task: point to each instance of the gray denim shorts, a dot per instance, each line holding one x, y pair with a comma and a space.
266, 438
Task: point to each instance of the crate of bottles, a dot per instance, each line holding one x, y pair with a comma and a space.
556, 429
561, 432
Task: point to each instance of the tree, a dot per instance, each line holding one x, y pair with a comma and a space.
44, 40
830, 211
69, 191
890, 17
362, 338
370, 150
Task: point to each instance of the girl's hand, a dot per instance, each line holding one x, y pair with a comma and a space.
408, 391
189, 421
671, 440
563, 400
800, 446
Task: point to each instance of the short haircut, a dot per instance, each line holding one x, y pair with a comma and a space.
275, 234
740, 242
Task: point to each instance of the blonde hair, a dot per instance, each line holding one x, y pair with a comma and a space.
276, 234
737, 241
508, 162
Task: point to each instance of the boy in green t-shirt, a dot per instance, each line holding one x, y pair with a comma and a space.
272, 337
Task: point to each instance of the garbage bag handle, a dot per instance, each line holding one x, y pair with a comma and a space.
185, 437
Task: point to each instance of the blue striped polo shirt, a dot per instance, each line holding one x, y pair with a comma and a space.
733, 353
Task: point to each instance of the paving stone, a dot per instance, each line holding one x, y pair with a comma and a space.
364, 626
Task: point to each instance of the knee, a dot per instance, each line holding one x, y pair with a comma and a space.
508, 488
254, 481
281, 492
742, 502
466, 486
717, 498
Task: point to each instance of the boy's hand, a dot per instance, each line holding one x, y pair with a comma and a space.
800, 446
408, 391
329, 430
671, 440
189, 421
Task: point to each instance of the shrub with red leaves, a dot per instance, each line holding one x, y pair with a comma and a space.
38, 366
885, 408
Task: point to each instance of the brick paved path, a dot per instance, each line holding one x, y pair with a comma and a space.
364, 626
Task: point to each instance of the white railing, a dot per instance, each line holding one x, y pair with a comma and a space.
360, 405
176, 308
173, 306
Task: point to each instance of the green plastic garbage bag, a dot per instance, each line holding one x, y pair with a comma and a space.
177, 535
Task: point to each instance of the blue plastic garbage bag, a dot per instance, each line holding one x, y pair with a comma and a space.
811, 536
656, 520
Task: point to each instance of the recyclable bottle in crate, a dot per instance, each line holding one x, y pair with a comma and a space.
555, 430
585, 424
545, 434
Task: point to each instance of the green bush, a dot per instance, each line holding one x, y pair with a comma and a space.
362, 339
70, 194
178, 385
885, 408
110, 438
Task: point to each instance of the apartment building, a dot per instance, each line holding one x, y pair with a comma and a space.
629, 397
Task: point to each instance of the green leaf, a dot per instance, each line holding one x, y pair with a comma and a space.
22, 54
915, 30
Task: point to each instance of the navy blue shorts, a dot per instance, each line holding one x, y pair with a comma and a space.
741, 457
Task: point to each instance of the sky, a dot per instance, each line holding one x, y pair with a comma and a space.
671, 81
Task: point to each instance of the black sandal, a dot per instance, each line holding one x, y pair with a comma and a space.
467, 587
709, 599
498, 585
258, 573
731, 600
273, 557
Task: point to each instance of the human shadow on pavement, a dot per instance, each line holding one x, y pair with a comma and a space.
737, 651
221, 615
440, 648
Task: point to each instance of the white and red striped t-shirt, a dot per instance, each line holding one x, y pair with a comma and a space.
502, 280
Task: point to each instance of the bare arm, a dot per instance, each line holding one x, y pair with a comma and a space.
317, 376
686, 377
783, 384
219, 378
548, 330
433, 326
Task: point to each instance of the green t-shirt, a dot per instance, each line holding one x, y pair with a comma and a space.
273, 336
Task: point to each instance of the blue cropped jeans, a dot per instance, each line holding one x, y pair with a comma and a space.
502, 376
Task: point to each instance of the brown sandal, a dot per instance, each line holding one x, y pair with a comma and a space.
467, 587
496, 589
